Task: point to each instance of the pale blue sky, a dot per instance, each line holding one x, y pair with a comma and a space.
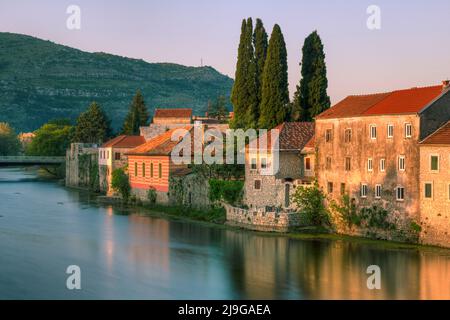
411, 49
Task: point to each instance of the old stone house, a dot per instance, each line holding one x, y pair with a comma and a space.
166, 119
81, 159
273, 168
150, 166
368, 146
435, 187
111, 156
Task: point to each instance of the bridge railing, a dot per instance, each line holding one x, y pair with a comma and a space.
36, 159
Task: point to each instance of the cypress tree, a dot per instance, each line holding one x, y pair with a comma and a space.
93, 126
260, 45
275, 93
137, 115
311, 97
244, 93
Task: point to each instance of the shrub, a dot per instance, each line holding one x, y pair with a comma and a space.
346, 210
229, 191
151, 195
310, 202
121, 184
376, 217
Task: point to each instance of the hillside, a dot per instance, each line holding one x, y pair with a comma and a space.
41, 80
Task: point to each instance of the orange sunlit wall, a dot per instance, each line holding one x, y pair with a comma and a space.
143, 177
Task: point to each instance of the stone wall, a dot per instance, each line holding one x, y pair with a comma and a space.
189, 190
155, 129
262, 220
142, 194
435, 212
81, 158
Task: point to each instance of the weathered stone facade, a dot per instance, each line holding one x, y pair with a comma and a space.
435, 203
81, 159
189, 190
261, 220
343, 164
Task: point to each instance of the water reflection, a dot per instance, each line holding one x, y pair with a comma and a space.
124, 255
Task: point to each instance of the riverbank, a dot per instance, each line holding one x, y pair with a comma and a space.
216, 218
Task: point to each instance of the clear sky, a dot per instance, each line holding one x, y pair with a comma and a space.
412, 48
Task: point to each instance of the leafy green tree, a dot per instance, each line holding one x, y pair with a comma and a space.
244, 93
93, 126
260, 46
311, 97
120, 183
310, 202
137, 115
218, 109
9, 143
52, 139
275, 93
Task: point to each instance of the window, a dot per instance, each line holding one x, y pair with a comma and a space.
308, 164
373, 131
390, 131
434, 163
135, 169
253, 164
257, 184
330, 187
364, 190
378, 191
160, 170
428, 190
328, 135
370, 165
348, 164
342, 189
383, 165
408, 130
151, 169
117, 156
400, 192
328, 163
143, 169
348, 135
401, 163
263, 163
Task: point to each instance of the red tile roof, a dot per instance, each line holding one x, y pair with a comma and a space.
405, 101
124, 141
292, 135
440, 136
173, 113
160, 145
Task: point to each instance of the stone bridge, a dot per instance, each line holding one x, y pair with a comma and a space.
29, 160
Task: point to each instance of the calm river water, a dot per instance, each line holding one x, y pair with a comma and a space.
44, 228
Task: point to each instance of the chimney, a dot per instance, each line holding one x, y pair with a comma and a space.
445, 84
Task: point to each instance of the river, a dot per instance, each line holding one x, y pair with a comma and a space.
44, 228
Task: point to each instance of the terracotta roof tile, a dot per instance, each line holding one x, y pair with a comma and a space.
292, 135
396, 102
173, 113
124, 141
440, 136
160, 145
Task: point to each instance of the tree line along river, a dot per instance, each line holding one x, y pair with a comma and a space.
44, 228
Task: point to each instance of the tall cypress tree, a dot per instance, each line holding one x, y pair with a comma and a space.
275, 93
244, 93
93, 126
311, 97
137, 115
260, 45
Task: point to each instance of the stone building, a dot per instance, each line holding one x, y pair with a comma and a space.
166, 119
435, 187
368, 146
111, 156
81, 159
270, 185
150, 166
